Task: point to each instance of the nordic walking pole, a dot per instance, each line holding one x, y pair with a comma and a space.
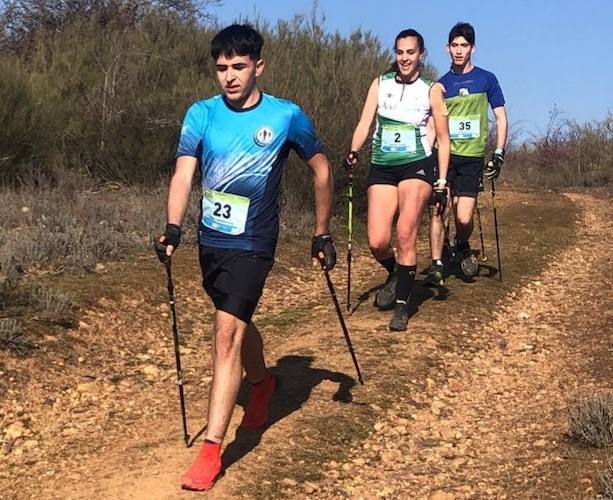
322, 262
175, 337
349, 236
496, 229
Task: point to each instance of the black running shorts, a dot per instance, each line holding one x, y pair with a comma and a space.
424, 170
464, 176
234, 279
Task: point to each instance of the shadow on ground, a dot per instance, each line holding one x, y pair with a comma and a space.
296, 379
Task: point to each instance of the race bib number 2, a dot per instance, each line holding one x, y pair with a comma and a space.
464, 127
224, 212
398, 139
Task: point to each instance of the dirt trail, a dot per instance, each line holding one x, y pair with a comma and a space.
470, 403
494, 428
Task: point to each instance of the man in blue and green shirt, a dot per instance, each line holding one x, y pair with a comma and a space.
469, 91
239, 141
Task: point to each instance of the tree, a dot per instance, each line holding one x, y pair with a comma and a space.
21, 20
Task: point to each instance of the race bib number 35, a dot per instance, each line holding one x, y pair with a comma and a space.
224, 212
464, 127
398, 139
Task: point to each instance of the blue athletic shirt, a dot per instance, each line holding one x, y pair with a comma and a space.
241, 154
467, 96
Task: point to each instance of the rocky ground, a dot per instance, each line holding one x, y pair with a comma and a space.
472, 402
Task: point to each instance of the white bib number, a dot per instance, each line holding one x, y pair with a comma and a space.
224, 212
398, 139
464, 127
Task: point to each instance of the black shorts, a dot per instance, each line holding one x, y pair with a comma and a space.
464, 175
392, 175
234, 279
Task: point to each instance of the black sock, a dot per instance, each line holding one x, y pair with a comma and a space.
462, 245
389, 264
406, 279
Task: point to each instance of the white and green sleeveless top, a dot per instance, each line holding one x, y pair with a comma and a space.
402, 115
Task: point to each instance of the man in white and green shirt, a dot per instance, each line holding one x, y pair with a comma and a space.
469, 91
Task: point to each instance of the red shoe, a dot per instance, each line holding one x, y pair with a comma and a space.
205, 470
256, 413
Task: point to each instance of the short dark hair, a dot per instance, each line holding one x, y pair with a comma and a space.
239, 40
463, 29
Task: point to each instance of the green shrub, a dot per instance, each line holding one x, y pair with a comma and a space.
118, 96
26, 129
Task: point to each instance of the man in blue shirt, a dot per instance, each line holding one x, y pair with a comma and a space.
240, 140
469, 92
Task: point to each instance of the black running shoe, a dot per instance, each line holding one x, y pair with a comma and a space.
435, 276
386, 297
468, 262
400, 318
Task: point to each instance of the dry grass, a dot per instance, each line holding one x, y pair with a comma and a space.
75, 227
71, 226
606, 481
53, 306
591, 421
12, 336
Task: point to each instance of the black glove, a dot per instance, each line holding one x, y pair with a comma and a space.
172, 236
439, 197
492, 169
351, 160
322, 243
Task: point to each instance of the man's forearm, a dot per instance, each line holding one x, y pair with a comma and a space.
178, 192
502, 126
178, 198
323, 185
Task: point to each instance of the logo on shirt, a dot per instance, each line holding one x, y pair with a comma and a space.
463, 92
263, 136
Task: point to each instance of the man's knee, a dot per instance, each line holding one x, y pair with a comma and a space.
379, 246
228, 340
464, 219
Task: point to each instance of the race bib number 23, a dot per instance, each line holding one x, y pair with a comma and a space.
224, 212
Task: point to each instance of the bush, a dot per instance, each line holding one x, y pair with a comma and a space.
117, 96
26, 129
53, 306
12, 337
566, 155
591, 421
73, 227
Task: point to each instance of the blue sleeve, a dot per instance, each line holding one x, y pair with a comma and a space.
192, 131
302, 137
494, 93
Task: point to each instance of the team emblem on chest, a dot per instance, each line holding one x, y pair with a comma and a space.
263, 136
